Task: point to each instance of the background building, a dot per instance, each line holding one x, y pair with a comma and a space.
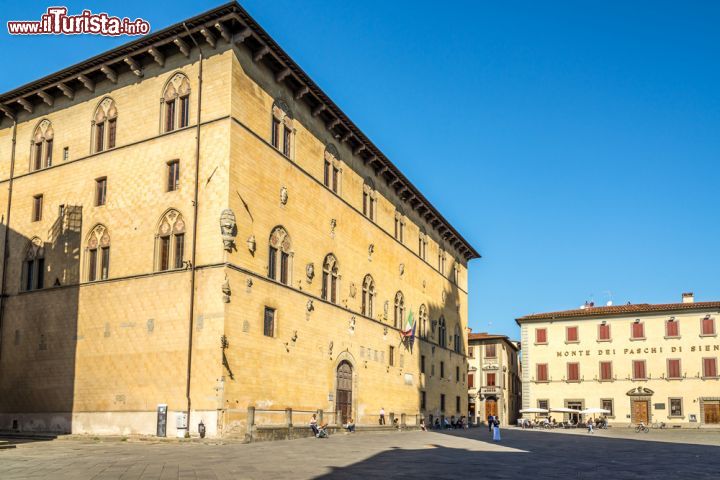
189, 221
642, 362
493, 378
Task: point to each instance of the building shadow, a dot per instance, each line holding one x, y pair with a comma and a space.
38, 329
538, 456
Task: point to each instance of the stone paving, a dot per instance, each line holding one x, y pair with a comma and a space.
455, 454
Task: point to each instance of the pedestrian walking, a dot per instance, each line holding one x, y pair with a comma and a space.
382, 416
496, 431
590, 426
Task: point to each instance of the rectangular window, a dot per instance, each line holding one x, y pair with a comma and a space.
573, 372
170, 116
66, 154
335, 177
490, 379
99, 136
179, 249
676, 407
709, 367
457, 374
184, 111
92, 265
639, 370
607, 404
29, 269
284, 259
37, 164
471, 380
541, 335
275, 134
41, 273
442, 369
544, 404
164, 253
173, 177
673, 368
638, 331
422, 363
490, 350
391, 356
603, 332
269, 322
672, 328
605, 371
442, 402
422, 400
37, 208
571, 334
48, 152
471, 352
287, 139
112, 130
326, 174
457, 404
708, 326
542, 372
105, 263
100, 191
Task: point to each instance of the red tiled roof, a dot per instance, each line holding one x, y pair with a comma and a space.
620, 309
488, 336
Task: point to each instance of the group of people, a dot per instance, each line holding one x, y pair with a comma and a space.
449, 423
550, 422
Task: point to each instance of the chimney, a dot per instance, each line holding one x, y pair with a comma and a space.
688, 297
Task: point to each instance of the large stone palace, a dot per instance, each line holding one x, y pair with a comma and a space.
190, 223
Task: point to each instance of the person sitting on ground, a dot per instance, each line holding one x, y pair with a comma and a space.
350, 426
396, 423
446, 423
436, 425
422, 424
453, 422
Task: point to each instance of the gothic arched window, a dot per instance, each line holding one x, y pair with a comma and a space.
369, 199
104, 123
33, 271
422, 321
332, 169
42, 146
368, 296
281, 134
442, 332
279, 256
330, 278
176, 103
399, 309
98, 254
170, 242
456, 340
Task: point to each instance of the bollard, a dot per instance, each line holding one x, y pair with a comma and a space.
392, 418
320, 416
402, 420
250, 421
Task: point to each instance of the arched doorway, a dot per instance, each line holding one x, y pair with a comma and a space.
344, 392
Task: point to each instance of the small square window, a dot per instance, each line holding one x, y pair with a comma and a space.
571, 334
541, 335
637, 331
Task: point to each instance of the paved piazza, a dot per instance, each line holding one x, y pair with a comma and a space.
610, 454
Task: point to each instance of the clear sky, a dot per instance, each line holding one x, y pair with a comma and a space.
576, 145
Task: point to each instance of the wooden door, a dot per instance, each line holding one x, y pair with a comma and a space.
344, 393
491, 408
640, 411
712, 412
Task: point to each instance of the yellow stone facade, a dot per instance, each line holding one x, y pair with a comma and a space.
98, 356
649, 363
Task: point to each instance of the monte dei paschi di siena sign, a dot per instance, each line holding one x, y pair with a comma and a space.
637, 351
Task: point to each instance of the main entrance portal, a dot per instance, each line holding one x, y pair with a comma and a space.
344, 392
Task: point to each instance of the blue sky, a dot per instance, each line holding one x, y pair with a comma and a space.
576, 145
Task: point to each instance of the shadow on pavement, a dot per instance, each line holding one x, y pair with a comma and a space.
551, 456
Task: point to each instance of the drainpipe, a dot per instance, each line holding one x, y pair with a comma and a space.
194, 234
6, 251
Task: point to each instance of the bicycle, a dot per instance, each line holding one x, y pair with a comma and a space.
641, 428
659, 425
